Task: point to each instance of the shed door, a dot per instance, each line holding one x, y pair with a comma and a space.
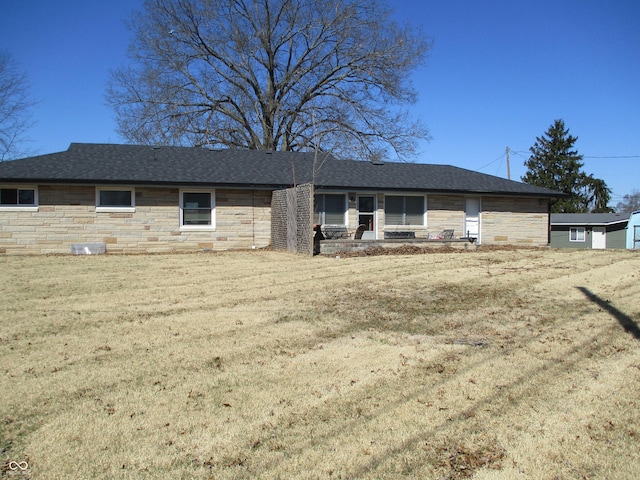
636, 236
599, 237
472, 218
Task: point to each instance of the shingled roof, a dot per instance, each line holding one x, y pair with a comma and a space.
147, 165
588, 218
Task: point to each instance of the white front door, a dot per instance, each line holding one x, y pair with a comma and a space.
472, 218
599, 237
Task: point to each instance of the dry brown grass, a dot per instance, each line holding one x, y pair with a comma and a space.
488, 364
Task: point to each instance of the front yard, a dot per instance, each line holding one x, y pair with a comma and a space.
493, 364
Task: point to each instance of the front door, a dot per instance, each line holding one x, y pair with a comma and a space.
472, 218
367, 212
599, 238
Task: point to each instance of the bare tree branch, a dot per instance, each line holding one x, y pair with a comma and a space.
271, 75
15, 109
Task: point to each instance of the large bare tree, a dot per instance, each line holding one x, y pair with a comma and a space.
289, 75
15, 108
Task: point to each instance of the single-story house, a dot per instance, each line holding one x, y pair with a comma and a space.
588, 230
135, 198
633, 231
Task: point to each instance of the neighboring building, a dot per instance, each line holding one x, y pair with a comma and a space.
588, 230
135, 198
633, 231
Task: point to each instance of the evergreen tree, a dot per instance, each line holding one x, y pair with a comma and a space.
555, 163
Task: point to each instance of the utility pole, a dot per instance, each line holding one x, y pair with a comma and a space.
508, 165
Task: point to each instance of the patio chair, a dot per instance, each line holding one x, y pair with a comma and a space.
359, 231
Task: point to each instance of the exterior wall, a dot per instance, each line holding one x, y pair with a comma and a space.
503, 220
67, 215
352, 213
632, 225
616, 236
443, 212
514, 221
446, 212
560, 236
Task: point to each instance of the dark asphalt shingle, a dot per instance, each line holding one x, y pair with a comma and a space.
588, 218
141, 164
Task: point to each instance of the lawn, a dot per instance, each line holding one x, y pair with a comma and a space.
491, 364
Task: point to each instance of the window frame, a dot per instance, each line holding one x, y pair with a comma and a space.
578, 230
212, 226
20, 207
404, 211
116, 208
323, 212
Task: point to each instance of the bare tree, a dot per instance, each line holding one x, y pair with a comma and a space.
271, 75
15, 108
630, 203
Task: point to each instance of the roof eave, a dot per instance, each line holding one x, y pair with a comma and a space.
589, 224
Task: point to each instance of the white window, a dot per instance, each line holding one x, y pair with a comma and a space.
403, 210
21, 198
576, 234
115, 199
330, 209
197, 210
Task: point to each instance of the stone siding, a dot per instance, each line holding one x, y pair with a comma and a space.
503, 220
446, 212
67, 215
514, 221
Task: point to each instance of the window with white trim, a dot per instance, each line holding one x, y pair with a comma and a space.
576, 234
115, 198
197, 209
330, 209
18, 197
403, 210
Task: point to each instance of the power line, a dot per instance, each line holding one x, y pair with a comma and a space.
618, 156
492, 162
520, 152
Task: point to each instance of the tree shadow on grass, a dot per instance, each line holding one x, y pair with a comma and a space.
623, 319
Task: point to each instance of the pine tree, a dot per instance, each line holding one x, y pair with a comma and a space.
555, 163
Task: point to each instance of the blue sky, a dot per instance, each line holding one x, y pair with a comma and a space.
499, 73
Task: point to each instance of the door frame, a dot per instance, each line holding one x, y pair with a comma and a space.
373, 213
479, 216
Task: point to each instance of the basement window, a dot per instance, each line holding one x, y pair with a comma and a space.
115, 200
576, 234
20, 198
